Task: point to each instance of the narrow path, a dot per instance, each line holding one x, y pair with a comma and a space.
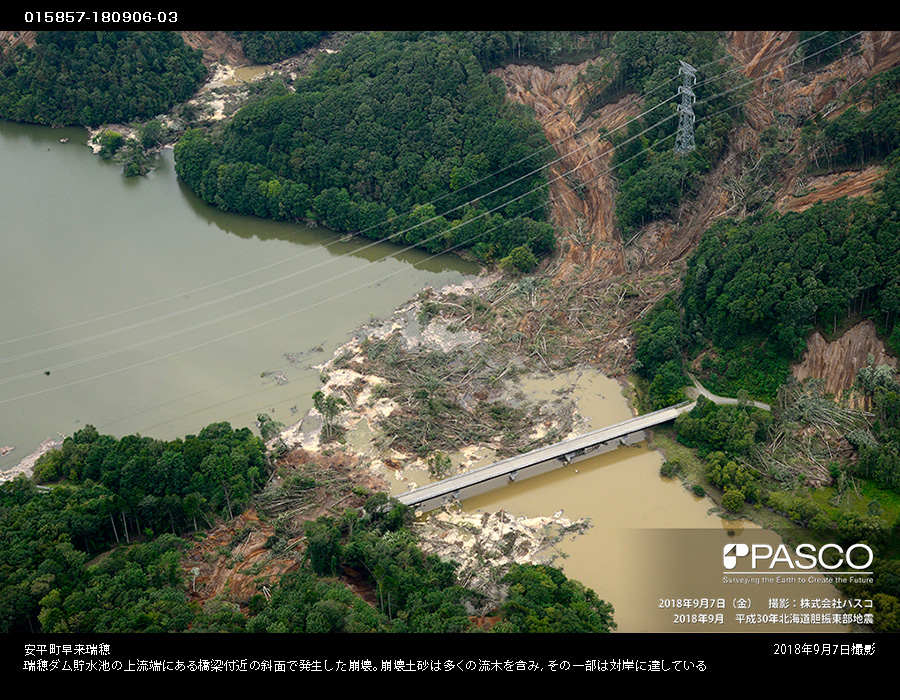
698, 389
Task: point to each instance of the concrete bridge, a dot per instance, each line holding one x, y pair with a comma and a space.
539, 461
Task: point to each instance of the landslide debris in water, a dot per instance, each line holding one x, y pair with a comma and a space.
434, 380
580, 306
451, 352
485, 545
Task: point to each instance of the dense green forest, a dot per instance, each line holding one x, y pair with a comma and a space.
659, 353
404, 136
542, 47
113, 491
857, 135
652, 179
820, 48
491, 48
272, 46
94, 78
756, 288
753, 291
407, 140
101, 551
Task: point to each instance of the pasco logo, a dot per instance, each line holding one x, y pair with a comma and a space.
732, 552
805, 557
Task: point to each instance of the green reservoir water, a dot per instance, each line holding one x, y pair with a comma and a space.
129, 304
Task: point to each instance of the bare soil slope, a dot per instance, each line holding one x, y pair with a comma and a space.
583, 186
837, 362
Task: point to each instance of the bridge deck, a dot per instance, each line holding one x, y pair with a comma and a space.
540, 460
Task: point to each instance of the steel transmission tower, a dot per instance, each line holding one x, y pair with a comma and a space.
684, 138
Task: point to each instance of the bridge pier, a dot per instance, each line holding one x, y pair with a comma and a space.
539, 461
485, 479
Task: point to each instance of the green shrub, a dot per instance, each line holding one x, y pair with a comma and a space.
733, 500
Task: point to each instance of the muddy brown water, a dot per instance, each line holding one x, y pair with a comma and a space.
654, 550
246, 74
130, 304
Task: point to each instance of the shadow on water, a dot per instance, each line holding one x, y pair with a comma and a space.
337, 244
244, 226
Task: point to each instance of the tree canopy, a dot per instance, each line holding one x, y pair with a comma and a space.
756, 288
652, 179
402, 139
271, 46
94, 78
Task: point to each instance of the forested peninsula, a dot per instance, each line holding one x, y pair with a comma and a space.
394, 139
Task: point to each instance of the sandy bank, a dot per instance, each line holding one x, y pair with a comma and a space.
26, 466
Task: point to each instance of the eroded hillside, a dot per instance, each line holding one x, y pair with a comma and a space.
583, 185
601, 282
837, 362
778, 94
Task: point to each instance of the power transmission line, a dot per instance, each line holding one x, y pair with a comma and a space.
99, 356
389, 238
684, 138
257, 306
292, 274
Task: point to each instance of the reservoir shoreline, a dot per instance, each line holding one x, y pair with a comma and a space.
132, 306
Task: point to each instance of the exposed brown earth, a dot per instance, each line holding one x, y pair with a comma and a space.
10, 39
582, 160
596, 275
780, 93
239, 558
592, 251
827, 188
837, 362
217, 47
215, 567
